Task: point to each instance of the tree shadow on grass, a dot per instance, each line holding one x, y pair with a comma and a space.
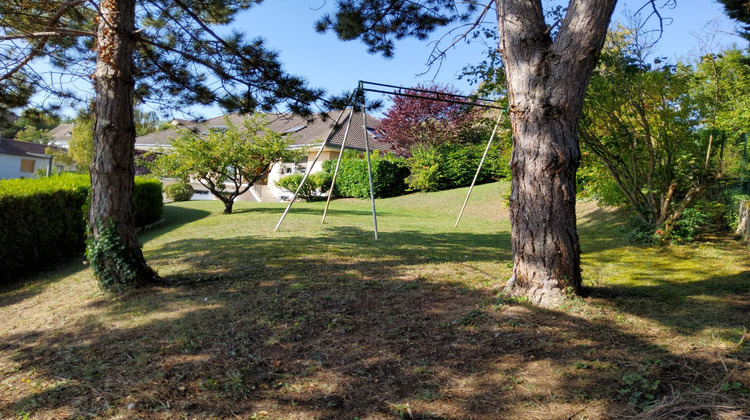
174, 216
340, 349
338, 327
717, 303
29, 285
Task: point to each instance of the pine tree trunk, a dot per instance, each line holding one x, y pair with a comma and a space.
112, 169
546, 254
546, 82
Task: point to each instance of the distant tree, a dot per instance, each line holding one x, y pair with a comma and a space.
35, 118
31, 134
421, 118
239, 156
146, 122
60, 157
81, 144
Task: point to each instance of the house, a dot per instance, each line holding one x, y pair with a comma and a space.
21, 160
61, 135
309, 134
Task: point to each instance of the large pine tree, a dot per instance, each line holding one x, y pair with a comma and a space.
165, 51
546, 78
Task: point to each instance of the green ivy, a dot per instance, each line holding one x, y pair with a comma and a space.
112, 268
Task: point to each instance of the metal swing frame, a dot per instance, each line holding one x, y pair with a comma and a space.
359, 95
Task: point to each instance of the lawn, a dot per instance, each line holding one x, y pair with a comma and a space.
321, 321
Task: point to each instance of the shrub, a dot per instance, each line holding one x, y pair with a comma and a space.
44, 220
179, 192
388, 176
702, 217
425, 168
453, 165
41, 221
315, 185
147, 200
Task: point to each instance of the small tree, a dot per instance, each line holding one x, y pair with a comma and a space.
239, 156
81, 145
31, 134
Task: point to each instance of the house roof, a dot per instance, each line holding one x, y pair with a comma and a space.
306, 132
21, 148
9, 117
63, 132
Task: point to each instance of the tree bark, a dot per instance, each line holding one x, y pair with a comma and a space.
112, 169
546, 82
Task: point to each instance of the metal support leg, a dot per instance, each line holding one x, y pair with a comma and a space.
484, 156
307, 173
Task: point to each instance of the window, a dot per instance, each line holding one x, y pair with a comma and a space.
27, 165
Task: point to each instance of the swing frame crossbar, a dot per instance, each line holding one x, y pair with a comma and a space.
357, 99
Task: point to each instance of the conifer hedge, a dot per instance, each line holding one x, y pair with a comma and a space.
44, 220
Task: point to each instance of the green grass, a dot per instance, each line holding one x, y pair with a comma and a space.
322, 321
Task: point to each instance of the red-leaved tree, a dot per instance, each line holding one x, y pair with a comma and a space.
421, 118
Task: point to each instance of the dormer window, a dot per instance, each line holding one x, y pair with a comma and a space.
295, 129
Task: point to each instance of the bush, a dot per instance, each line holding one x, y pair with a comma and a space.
179, 192
425, 168
388, 176
44, 220
315, 185
147, 201
702, 217
41, 221
453, 165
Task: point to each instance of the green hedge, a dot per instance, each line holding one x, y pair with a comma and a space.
388, 176
453, 165
147, 201
44, 220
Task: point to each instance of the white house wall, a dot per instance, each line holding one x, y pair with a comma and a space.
10, 166
280, 170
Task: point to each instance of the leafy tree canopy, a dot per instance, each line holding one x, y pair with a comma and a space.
424, 118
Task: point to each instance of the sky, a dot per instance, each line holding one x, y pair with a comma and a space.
325, 61
288, 28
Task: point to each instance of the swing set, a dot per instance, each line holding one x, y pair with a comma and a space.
357, 99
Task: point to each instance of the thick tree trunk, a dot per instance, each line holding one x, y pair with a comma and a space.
546, 83
546, 254
112, 170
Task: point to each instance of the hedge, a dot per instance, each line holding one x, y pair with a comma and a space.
147, 201
44, 220
388, 176
453, 165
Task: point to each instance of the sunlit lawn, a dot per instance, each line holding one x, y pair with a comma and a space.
322, 321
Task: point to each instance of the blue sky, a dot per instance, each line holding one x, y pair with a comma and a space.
335, 65
322, 59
